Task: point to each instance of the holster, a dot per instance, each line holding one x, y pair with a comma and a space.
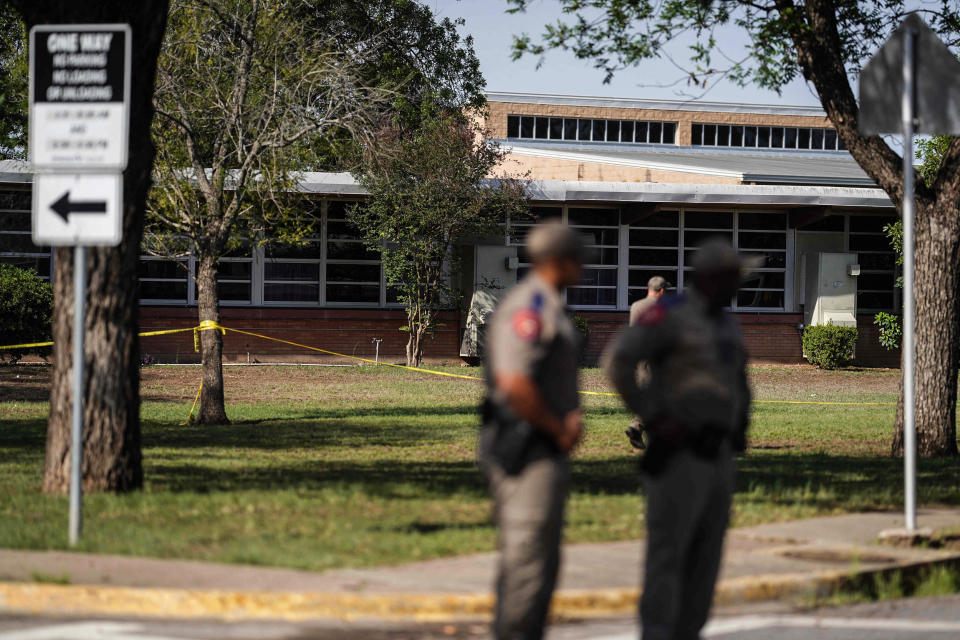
506, 439
705, 444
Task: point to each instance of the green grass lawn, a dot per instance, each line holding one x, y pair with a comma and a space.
334, 467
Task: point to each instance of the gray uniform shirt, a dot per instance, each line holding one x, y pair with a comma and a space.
639, 307
697, 365
530, 333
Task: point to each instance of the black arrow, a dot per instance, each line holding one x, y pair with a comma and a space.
63, 207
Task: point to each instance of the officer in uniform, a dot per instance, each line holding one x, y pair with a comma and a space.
656, 287
696, 408
532, 420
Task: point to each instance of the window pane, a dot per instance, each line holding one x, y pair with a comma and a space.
763, 137
874, 300
15, 200
15, 221
708, 220
598, 277
709, 135
816, 141
736, 136
656, 132
18, 243
763, 280
642, 132
569, 128
763, 240
556, 128
513, 126
353, 272
876, 260
605, 217
39, 264
830, 223
308, 250
613, 131
600, 236
803, 138
868, 243
653, 257
526, 127
659, 219
350, 251
882, 281
669, 133
650, 238
749, 136
772, 221
164, 291
289, 292
772, 260
763, 299
585, 127
776, 137
869, 224
234, 291
640, 277
599, 130
353, 293
790, 138
161, 269
693, 239
584, 296
626, 130
306, 271
543, 127
723, 135
594, 255
697, 134
234, 270
541, 214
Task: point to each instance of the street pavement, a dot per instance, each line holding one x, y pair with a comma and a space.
936, 618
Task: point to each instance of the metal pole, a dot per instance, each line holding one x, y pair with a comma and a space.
76, 431
909, 425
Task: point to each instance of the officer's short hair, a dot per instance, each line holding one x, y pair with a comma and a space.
657, 283
554, 239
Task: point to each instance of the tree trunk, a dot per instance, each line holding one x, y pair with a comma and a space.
111, 437
212, 410
936, 287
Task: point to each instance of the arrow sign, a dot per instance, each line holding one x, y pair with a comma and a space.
64, 206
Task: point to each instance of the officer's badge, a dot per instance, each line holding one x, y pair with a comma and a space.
526, 324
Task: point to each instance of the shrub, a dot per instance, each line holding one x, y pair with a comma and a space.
582, 326
891, 329
26, 310
829, 346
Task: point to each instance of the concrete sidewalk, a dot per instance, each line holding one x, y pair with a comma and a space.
768, 562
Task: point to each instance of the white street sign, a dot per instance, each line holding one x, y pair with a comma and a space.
79, 97
77, 209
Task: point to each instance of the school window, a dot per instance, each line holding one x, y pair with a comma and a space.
16, 245
718, 135
591, 129
600, 229
654, 244
164, 281
876, 284
291, 272
352, 271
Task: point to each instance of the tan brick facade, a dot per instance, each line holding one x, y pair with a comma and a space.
555, 169
498, 112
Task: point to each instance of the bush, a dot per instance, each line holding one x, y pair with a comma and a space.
829, 346
891, 330
26, 310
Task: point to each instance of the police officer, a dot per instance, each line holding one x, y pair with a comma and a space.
532, 421
656, 287
696, 408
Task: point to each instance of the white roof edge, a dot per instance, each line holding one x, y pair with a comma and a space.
618, 161
647, 103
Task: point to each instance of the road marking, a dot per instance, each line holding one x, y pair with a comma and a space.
84, 631
719, 627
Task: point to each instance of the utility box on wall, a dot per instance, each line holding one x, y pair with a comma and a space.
830, 289
494, 269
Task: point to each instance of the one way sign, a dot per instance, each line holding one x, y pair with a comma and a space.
77, 209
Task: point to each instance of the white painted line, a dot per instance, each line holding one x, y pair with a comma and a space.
84, 631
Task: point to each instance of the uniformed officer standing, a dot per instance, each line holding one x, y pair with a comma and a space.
656, 287
696, 408
532, 420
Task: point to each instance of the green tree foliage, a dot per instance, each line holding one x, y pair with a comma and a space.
829, 346
246, 90
13, 85
26, 310
430, 190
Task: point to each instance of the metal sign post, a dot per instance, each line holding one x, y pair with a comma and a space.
894, 98
79, 115
909, 424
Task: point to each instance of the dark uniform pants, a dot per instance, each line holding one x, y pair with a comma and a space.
688, 509
528, 508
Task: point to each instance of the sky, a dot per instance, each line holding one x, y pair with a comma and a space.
561, 73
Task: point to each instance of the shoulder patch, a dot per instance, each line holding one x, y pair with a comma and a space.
526, 324
652, 316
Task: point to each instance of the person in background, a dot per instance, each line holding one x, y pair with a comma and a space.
532, 420
656, 287
696, 408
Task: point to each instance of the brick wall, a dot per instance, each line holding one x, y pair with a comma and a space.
558, 169
771, 338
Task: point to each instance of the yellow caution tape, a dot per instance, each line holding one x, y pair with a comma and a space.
211, 325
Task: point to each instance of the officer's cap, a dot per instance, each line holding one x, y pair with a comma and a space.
554, 240
716, 254
657, 283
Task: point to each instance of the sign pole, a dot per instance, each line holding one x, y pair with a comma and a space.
76, 431
909, 425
